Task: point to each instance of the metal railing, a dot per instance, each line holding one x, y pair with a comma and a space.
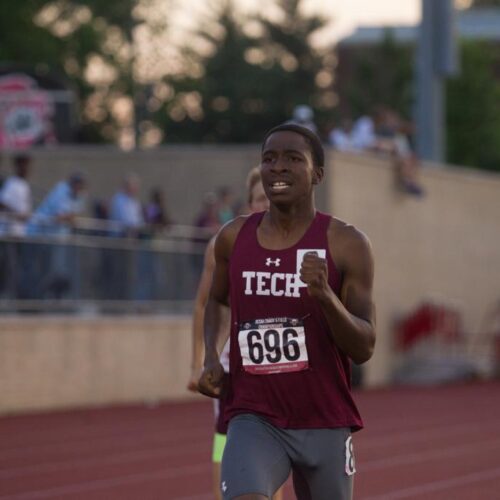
94, 269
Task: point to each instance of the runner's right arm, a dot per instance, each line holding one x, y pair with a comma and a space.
198, 315
211, 378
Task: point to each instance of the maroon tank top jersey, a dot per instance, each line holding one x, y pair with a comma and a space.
284, 364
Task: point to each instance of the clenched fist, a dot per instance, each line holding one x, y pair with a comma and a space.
314, 273
211, 380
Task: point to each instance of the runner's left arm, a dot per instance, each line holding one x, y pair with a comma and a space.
351, 317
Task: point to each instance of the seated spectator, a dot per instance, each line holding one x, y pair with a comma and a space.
363, 133
385, 132
15, 198
304, 115
392, 136
126, 208
342, 137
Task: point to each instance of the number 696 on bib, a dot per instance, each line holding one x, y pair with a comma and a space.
273, 346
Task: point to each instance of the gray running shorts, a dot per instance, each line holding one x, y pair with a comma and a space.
259, 457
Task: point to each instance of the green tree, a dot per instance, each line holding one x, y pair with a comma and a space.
21, 40
244, 84
384, 74
473, 109
485, 3
381, 75
223, 97
89, 42
304, 74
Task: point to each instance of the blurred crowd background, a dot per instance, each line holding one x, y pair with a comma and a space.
125, 139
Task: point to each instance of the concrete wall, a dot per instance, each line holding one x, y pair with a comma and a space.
58, 362
185, 173
445, 245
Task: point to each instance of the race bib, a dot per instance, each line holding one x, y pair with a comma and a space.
273, 345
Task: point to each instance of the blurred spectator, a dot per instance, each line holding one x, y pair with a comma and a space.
393, 137
52, 270
363, 133
225, 209
15, 209
58, 211
100, 212
156, 213
342, 137
304, 115
126, 214
126, 208
387, 133
105, 257
208, 217
152, 267
15, 198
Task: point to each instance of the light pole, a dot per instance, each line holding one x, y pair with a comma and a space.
436, 60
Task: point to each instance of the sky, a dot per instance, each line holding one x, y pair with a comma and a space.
345, 15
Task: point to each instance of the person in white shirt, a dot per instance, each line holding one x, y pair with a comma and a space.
15, 198
304, 115
342, 137
15, 208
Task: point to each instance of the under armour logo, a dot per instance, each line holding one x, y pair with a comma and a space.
223, 487
275, 262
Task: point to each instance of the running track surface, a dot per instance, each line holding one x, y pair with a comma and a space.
418, 443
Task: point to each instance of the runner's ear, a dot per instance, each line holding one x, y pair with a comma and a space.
318, 174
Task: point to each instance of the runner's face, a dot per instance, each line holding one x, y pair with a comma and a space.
287, 168
258, 198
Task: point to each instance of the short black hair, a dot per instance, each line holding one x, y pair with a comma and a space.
318, 153
21, 159
77, 177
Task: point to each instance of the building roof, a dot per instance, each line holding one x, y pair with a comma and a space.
472, 24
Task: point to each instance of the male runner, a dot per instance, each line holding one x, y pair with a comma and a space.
257, 201
299, 284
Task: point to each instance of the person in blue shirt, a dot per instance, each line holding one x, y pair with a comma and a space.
126, 208
53, 268
57, 212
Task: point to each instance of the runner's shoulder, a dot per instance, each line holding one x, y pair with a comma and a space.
347, 240
226, 237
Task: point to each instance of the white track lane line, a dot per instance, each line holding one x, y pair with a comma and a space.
125, 457
93, 485
424, 456
435, 486
409, 436
100, 484
141, 434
